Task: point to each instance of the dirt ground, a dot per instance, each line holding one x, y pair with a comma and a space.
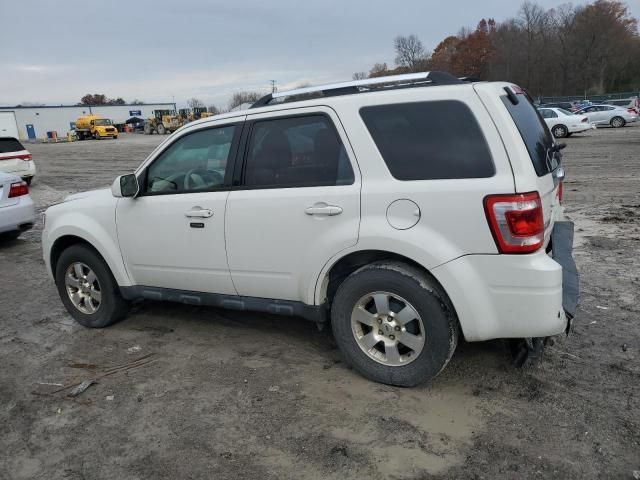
208, 393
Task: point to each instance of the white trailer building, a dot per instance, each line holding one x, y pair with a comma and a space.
32, 123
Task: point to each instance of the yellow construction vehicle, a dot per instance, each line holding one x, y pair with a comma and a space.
187, 115
93, 126
163, 121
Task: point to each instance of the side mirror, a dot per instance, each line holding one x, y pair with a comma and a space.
125, 186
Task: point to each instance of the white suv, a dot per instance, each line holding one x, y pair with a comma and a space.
405, 210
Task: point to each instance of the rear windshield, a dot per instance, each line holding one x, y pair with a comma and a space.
534, 133
10, 145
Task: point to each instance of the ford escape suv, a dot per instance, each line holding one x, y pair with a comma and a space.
407, 211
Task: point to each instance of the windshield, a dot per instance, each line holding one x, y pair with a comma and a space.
566, 112
102, 122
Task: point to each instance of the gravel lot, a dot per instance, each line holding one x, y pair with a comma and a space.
224, 394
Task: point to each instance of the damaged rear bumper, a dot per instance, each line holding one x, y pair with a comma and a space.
562, 252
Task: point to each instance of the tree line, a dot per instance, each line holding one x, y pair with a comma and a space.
568, 50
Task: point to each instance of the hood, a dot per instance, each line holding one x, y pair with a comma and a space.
88, 194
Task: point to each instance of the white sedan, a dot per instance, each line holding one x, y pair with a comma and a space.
609, 115
17, 212
563, 123
16, 159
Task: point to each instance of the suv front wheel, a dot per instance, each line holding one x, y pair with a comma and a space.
393, 324
87, 288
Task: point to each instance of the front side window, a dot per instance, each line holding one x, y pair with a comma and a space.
303, 151
429, 140
195, 162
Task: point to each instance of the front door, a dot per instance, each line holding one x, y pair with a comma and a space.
296, 206
172, 234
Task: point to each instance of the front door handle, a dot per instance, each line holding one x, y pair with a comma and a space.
322, 208
197, 212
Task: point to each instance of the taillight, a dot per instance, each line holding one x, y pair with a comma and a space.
560, 191
26, 157
516, 221
18, 189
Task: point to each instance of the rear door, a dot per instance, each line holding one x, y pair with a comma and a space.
295, 203
529, 143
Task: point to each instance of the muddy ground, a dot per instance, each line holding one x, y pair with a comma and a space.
223, 394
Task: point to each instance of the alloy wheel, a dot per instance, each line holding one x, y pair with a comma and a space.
83, 288
388, 328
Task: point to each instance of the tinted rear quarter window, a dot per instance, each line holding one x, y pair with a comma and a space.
429, 140
534, 132
9, 144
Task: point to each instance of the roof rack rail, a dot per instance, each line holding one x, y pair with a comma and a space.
366, 85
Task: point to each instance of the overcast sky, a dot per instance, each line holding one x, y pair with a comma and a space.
158, 50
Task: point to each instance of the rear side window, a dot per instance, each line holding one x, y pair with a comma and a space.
534, 133
301, 151
10, 144
429, 140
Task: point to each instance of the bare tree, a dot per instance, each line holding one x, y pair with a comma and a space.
213, 109
410, 52
240, 98
379, 70
359, 75
195, 103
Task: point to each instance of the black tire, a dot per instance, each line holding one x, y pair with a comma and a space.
560, 131
617, 122
160, 129
569, 134
428, 300
112, 306
28, 180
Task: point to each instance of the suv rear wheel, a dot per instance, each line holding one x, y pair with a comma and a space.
393, 324
87, 288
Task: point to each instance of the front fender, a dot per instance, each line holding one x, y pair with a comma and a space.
97, 230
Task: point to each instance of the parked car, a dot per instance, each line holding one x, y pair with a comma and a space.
17, 213
570, 106
14, 158
631, 104
354, 208
563, 123
608, 115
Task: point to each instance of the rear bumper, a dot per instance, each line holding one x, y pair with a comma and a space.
18, 217
514, 296
23, 169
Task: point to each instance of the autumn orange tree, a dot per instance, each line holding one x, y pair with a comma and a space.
592, 48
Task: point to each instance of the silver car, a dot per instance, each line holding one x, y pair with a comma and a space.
608, 115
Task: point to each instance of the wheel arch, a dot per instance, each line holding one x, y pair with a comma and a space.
330, 281
64, 242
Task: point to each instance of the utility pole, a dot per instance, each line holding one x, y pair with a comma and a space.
274, 89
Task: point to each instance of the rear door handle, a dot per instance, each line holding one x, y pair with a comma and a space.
322, 208
197, 212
